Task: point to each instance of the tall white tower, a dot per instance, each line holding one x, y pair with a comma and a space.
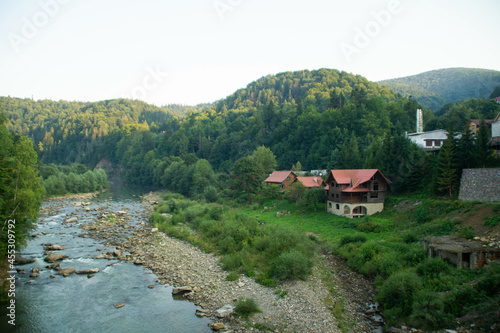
420, 121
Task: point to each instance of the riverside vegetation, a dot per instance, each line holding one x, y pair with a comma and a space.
412, 289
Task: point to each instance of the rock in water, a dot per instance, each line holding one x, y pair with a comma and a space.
54, 247
120, 305
88, 271
67, 271
22, 261
71, 220
55, 257
181, 290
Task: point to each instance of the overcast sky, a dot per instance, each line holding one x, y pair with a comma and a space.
197, 51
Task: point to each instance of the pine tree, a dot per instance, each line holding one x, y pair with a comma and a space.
482, 151
447, 169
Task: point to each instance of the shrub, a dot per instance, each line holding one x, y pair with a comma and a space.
459, 299
467, 232
231, 262
398, 291
492, 222
245, 307
409, 238
292, 265
422, 214
210, 193
216, 212
428, 311
265, 280
357, 238
369, 226
233, 276
432, 267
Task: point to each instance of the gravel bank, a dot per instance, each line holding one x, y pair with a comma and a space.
307, 306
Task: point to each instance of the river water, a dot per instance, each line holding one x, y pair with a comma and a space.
80, 304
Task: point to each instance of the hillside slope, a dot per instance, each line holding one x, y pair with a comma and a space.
438, 87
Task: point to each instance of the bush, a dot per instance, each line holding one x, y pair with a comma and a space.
233, 276
422, 214
410, 238
428, 311
358, 238
432, 267
398, 290
467, 232
369, 226
292, 265
210, 193
245, 307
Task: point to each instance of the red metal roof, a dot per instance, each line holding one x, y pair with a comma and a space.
278, 176
311, 181
354, 178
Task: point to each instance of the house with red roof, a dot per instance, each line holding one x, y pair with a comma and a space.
281, 178
310, 182
356, 193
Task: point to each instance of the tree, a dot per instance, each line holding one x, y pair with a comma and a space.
312, 196
247, 176
465, 151
297, 167
447, 173
21, 190
351, 158
265, 158
482, 151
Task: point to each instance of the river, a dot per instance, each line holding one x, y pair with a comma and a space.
78, 303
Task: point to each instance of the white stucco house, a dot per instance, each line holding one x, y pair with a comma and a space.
430, 141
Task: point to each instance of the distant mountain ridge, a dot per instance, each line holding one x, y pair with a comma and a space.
438, 87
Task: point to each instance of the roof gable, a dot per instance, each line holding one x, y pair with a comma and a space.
354, 178
311, 181
279, 176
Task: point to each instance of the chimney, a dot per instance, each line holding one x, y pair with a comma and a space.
420, 121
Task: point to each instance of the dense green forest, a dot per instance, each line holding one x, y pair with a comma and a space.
436, 88
322, 119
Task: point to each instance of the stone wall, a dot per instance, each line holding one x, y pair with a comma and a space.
480, 185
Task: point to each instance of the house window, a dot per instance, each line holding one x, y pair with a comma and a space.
375, 186
428, 143
437, 143
329, 205
337, 207
288, 178
374, 195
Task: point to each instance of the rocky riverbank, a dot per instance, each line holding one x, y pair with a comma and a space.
332, 297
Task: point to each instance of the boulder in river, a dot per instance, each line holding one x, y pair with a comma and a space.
181, 290
54, 247
120, 305
67, 271
22, 260
88, 271
71, 220
55, 257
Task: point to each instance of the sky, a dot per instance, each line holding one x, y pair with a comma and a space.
199, 51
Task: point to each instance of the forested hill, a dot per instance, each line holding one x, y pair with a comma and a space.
68, 125
439, 87
321, 88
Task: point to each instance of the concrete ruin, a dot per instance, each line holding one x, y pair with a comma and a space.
468, 254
